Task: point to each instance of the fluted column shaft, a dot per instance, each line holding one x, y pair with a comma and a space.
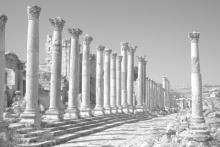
124, 48
118, 83
139, 106
30, 114
72, 111
85, 110
113, 83
107, 107
130, 78
99, 110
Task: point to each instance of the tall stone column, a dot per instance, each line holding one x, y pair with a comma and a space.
107, 107
54, 112
118, 83
144, 83
139, 107
198, 129
130, 78
99, 110
30, 116
166, 98
113, 84
72, 111
124, 50
147, 94
85, 110
150, 94
3, 125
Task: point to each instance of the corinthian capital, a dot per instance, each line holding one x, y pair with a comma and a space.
114, 55
75, 32
124, 46
57, 23
100, 47
108, 51
3, 20
87, 39
119, 58
131, 50
194, 36
140, 58
33, 12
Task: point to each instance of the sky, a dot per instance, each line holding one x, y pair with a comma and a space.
158, 27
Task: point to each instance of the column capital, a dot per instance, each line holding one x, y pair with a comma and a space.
92, 57
33, 12
194, 36
75, 32
57, 23
124, 46
87, 39
100, 47
131, 50
108, 51
114, 55
119, 58
3, 20
140, 58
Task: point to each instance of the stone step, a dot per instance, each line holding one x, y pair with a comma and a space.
76, 124
16, 126
38, 144
34, 134
30, 139
79, 128
24, 130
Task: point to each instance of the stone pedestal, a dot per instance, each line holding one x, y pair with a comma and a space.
85, 110
54, 112
72, 111
139, 107
130, 78
107, 107
124, 50
113, 84
118, 83
198, 129
99, 109
30, 116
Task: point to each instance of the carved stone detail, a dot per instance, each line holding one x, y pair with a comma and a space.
57, 23
33, 12
75, 32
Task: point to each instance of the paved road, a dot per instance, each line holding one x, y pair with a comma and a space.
127, 135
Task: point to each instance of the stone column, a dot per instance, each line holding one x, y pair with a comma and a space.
113, 83
166, 100
130, 78
30, 116
85, 110
72, 111
198, 129
64, 57
118, 83
144, 83
151, 94
99, 110
54, 112
139, 107
147, 94
3, 125
107, 107
124, 49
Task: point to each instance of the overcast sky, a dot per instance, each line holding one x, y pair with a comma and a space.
158, 27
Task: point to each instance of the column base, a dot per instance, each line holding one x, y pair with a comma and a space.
72, 113
4, 131
120, 109
98, 111
139, 108
107, 110
54, 115
114, 110
31, 118
125, 109
131, 109
85, 112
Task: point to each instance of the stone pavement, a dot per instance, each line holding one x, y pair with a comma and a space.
127, 135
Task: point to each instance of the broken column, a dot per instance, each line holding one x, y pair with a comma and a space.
30, 116
198, 129
130, 78
118, 83
72, 111
85, 110
124, 49
3, 125
139, 107
107, 107
54, 112
113, 83
99, 110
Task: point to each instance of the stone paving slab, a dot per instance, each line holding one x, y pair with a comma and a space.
127, 135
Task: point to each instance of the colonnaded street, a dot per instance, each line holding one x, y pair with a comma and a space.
71, 93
